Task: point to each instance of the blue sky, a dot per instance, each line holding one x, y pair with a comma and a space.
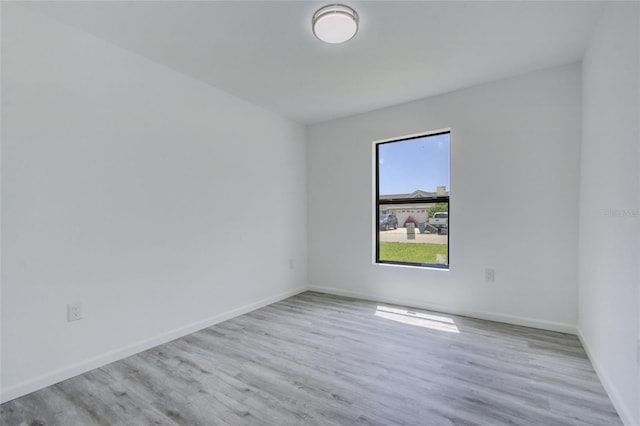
421, 163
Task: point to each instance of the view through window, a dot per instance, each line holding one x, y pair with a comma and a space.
412, 201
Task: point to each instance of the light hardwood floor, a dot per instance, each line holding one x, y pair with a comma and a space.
317, 359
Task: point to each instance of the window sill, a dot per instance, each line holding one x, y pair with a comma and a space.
429, 266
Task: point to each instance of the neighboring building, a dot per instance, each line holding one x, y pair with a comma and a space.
419, 211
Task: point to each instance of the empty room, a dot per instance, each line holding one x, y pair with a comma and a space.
308, 213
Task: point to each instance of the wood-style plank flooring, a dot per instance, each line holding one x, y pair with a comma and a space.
317, 359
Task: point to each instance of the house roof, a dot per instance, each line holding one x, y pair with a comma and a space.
418, 193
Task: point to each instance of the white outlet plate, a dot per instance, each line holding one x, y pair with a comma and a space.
74, 312
489, 275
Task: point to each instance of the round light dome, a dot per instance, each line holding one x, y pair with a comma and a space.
335, 23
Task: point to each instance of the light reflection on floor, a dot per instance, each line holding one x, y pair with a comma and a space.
419, 319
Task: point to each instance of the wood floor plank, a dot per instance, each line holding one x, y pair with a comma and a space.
318, 359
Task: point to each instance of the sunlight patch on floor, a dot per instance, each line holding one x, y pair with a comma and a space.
419, 319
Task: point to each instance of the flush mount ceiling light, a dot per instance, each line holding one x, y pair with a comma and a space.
335, 23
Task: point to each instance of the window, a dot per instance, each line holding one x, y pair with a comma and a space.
412, 181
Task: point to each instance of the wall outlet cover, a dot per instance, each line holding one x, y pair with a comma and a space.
489, 275
74, 312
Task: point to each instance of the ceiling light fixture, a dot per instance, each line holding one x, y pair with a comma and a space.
335, 23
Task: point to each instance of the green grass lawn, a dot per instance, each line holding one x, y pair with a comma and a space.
411, 252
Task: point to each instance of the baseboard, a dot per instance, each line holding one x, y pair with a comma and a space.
490, 316
623, 411
68, 372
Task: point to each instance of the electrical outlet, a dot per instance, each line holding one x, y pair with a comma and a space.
291, 264
74, 312
489, 275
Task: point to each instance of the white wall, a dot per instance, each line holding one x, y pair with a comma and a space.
609, 206
134, 190
514, 205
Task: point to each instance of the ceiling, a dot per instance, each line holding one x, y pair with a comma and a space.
265, 52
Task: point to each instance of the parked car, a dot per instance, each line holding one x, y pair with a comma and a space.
388, 221
440, 220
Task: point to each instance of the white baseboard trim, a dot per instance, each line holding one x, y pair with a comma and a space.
490, 316
623, 411
70, 371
